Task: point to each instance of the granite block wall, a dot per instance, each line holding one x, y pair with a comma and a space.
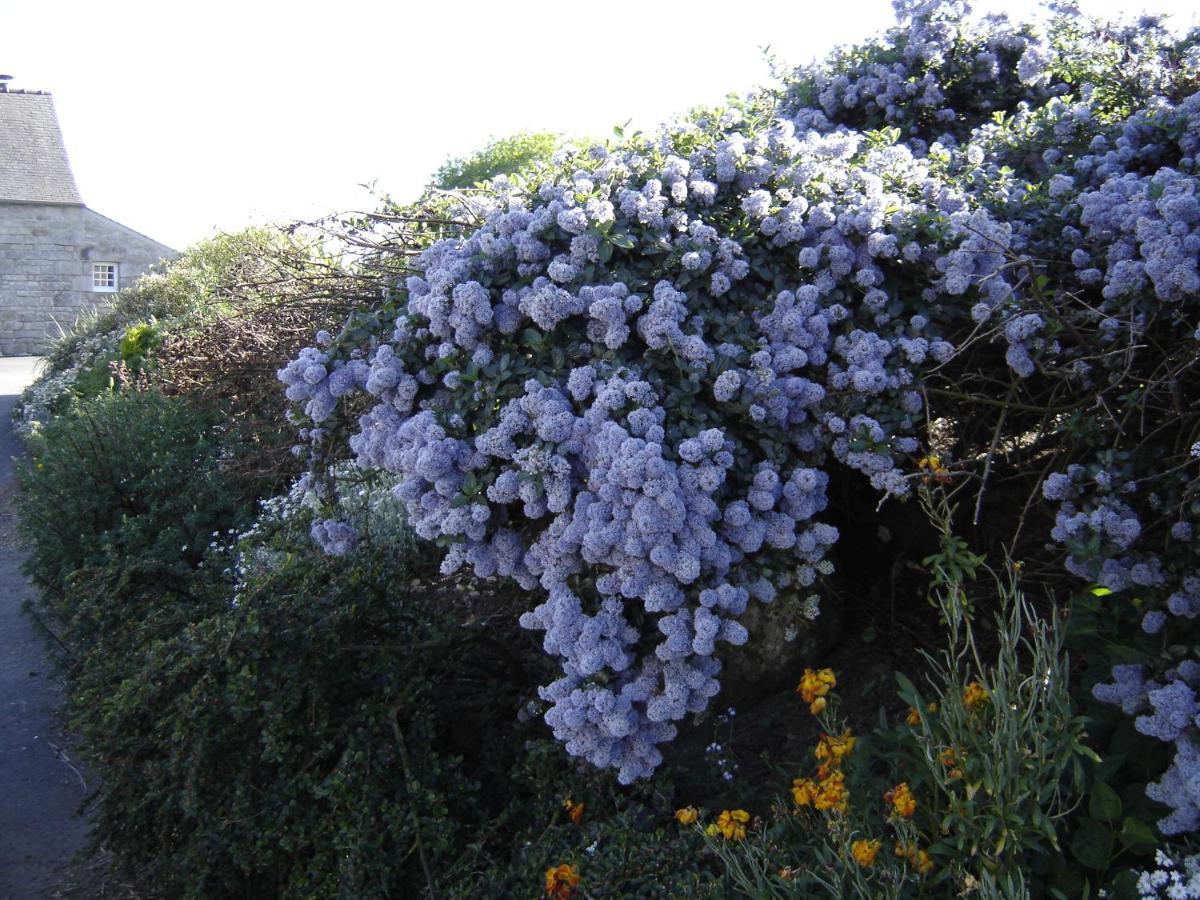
46, 256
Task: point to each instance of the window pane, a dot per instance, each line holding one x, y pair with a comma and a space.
104, 276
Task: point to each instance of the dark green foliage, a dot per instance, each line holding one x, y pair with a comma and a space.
127, 480
257, 751
320, 735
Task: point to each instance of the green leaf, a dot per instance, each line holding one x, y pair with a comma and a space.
1137, 836
909, 692
1104, 804
1092, 844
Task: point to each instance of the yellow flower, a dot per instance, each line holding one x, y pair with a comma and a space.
732, 823
974, 695
712, 830
687, 816
833, 750
574, 810
864, 852
561, 881
832, 793
900, 798
813, 687
932, 465
804, 791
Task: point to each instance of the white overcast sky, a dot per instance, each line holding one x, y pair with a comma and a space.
185, 118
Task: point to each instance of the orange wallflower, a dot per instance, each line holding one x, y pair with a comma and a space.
732, 823
974, 695
900, 798
864, 852
914, 716
813, 687
804, 791
816, 683
950, 759
687, 816
574, 810
932, 465
829, 793
562, 881
832, 750
918, 859
832, 793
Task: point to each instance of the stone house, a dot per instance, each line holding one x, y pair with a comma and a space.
57, 257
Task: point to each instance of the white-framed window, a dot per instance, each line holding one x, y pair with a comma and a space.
104, 276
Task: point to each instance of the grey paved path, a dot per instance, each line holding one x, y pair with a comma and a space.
39, 791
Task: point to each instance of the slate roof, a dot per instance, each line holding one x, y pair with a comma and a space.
33, 160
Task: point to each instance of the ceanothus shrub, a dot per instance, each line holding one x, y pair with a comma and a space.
624, 387
627, 385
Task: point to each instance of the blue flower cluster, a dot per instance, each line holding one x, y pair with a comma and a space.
1106, 544
1170, 712
937, 72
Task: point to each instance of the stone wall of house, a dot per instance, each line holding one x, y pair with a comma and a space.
46, 256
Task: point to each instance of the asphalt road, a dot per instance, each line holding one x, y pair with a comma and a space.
41, 788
